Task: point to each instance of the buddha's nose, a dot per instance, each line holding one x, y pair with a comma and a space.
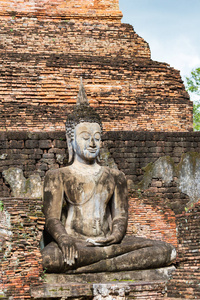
92, 143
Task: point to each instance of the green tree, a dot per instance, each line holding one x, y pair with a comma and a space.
196, 116
193, 86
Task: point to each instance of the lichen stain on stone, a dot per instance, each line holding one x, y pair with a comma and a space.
22, 187
3, 156
106, 159
5, 232
188, 173
5, 223
162, 168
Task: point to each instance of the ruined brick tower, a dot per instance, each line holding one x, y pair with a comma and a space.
45, 47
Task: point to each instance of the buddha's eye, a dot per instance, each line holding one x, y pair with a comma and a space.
85, 136
97, 136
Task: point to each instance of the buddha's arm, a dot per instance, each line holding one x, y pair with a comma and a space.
119, 207
52, 208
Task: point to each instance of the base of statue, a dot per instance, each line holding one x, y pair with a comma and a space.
123, 285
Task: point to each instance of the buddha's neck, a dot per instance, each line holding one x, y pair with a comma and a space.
86, 167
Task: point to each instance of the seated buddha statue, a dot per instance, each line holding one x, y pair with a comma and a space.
86, 209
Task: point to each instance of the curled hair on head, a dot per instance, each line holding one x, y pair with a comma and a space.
82, 113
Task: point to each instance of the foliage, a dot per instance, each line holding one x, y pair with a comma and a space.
193, 82
1, 206
196, 116
193, 86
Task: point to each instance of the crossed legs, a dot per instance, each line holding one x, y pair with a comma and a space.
133, 253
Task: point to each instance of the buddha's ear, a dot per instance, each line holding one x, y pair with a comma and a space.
70, 149
98, 159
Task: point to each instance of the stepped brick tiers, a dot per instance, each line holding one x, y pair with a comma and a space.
46, 46
71, 9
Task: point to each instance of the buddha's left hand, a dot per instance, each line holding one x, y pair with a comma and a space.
101, 242
118, 232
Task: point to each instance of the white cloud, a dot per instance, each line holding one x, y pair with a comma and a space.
179, 52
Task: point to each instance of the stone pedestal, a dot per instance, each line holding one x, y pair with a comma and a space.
149, 284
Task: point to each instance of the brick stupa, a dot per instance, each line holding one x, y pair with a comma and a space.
46, 46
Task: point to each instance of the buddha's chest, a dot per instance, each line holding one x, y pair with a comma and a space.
82, 190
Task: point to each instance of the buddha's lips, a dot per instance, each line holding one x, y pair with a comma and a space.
92, 150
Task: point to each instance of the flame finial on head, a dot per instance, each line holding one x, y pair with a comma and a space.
82, 97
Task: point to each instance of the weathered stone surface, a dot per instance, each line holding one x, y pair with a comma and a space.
130, 276
108, 291
52, 291
106, 159
45, 144
3, 156
22, 187
5, 225
16, 180
163, 168
186, 175
60, 158
32, 144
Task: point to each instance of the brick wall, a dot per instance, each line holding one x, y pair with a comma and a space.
20, 256
42, 60
31, 152
185, 282
155, 222
150, 214
102, 9
21, 266
134, 150
21, 259
131, 151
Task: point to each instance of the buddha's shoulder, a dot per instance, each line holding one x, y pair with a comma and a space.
115, 173
69, 172
58, 173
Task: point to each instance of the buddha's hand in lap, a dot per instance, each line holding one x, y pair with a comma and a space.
69, 250
101, 242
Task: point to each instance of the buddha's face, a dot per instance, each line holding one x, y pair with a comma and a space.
87, 140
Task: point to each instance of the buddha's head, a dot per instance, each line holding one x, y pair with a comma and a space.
83, 130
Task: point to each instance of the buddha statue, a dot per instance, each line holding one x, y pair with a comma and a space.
86, 209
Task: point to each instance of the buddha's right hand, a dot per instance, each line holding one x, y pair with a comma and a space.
69, 250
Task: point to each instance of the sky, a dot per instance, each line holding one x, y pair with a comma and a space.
171, 28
